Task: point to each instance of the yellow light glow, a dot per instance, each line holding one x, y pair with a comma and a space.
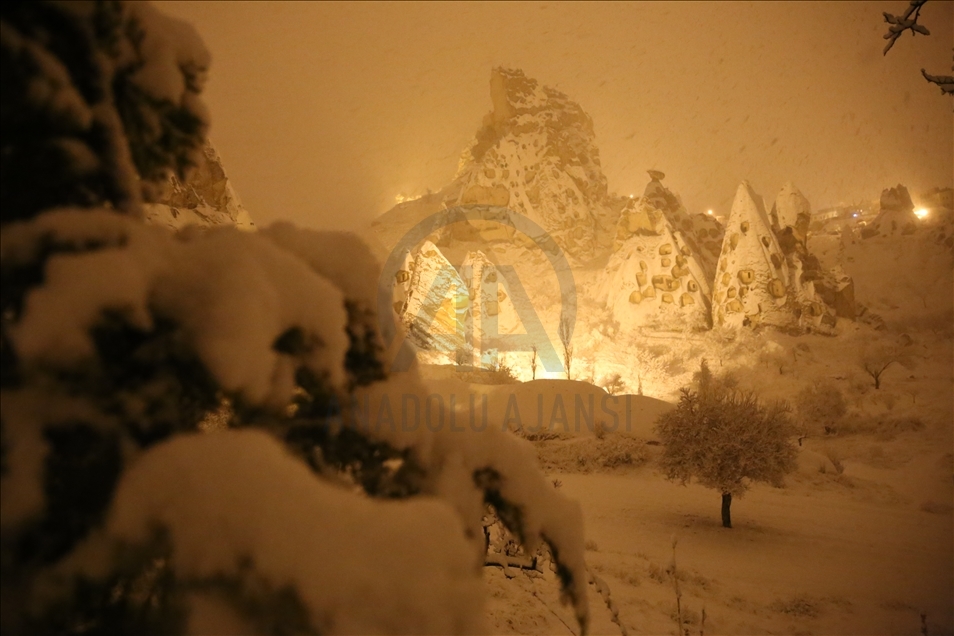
709, 212
921, 213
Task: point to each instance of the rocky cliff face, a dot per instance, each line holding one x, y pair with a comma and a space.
206, 198
432, 301
492, 311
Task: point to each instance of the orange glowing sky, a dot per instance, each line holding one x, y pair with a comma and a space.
325, 112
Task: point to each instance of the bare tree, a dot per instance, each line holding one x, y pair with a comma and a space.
566, 341
898, 24
876, 359
533, 362
614, 384
875, 369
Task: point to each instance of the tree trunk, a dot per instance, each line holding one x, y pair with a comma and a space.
726, 515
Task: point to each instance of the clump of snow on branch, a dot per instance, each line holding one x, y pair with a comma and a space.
470, 467
908, 21
174, 59
358, 565
234, 294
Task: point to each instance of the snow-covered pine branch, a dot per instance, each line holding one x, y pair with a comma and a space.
102, 99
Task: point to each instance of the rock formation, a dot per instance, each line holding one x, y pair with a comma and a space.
700, 232
896, 214
206, 198
791, 216
535, 158
760, 281
492, 312
435, 301
657, 276
454, 314
535, 154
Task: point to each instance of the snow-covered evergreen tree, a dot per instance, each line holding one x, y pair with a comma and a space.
120, 512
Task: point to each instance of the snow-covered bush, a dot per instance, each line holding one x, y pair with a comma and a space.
591, 454
119, 339
820, 407
725, 440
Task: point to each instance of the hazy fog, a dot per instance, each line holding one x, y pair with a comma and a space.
325, 112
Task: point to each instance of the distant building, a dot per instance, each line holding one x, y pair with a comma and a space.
834, 218
855, 211
828, 214
938, 198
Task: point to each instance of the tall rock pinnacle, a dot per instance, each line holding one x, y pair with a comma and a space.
536, 154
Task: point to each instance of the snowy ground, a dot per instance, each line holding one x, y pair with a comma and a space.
797, 561
858, 542
864, 552
861, 538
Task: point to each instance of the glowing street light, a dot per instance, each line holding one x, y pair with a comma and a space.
709, 212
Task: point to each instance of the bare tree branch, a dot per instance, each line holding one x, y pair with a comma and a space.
899, 24
945, 82
909, 22
566, 340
